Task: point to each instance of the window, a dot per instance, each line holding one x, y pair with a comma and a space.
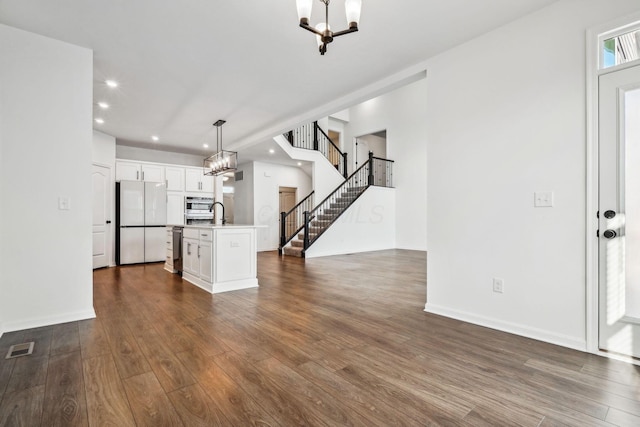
621, 49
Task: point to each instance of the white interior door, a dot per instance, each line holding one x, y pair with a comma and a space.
101, 183
619, 211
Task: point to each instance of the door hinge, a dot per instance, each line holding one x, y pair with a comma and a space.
597, 233
598, 214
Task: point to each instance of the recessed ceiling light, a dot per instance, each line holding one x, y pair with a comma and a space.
99, 120
205, 145
155, 138
103, 105
271, 151
299, 163
111, 83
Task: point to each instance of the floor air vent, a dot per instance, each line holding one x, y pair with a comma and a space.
18, 350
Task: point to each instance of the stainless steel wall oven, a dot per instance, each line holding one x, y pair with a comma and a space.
197, 210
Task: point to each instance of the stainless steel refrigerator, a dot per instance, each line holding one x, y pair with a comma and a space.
141, 218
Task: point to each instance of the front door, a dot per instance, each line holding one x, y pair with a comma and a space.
619, 211
101, 183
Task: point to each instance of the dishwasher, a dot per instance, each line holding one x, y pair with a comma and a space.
177, 249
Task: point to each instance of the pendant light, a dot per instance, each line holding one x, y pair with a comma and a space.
323, 30
222, 161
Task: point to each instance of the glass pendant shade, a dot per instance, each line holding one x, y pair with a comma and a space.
353, 8
304, 9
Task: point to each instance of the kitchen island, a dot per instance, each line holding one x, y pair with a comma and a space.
220, 258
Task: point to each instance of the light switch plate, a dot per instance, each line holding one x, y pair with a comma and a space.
543, 199
63, 203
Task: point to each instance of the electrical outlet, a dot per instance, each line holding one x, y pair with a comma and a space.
498, 285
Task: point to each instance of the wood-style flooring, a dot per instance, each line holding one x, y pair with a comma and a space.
336, 341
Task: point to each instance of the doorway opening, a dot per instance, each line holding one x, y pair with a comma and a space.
288, 200
375, 142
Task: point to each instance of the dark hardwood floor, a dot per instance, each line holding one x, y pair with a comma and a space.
323, 342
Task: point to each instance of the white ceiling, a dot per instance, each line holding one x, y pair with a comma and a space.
182, 65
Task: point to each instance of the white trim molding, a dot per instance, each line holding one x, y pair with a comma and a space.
47, 321
512, 328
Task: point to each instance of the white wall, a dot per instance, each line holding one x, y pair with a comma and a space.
402, 113
506, 117
267, 180
324, 175
157, 156
369, 224
104, 149
338, 126
377, 145
243, 196
46, 154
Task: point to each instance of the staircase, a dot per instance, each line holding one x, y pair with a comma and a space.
302, 226
323, 220
312, 137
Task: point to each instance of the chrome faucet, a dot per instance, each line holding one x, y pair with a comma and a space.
224, 221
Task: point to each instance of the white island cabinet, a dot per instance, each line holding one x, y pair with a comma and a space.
220, 258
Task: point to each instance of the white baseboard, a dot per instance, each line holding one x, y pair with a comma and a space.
215, 288
47, 321
512, 328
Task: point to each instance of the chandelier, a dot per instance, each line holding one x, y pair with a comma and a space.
322, 30
222, 161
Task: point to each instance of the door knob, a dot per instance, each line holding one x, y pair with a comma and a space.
108, 222
609, 214
610, 234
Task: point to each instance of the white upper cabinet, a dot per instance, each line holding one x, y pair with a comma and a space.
196, 181
207, 183
132, 171
175, 178
128, 171
152, 173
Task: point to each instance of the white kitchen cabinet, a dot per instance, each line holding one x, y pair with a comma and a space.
168, 264
128, 171
197, 182
225, 257
133, 171
197, 256
190, 260
175, 178
152, 173
205, 255
207, 184
175, 208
